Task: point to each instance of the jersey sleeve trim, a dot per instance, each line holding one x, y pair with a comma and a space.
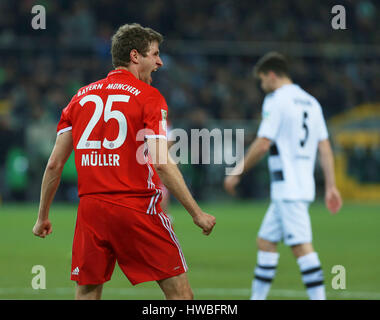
64, 130
159, 136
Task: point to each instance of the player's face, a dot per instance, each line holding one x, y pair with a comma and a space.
266, 80
152, 62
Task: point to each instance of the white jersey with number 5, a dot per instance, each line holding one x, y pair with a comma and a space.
293, 121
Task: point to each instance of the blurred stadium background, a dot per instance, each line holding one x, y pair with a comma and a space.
209, 50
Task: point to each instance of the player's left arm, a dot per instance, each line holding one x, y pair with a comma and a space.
256, 152
172, 178
50, 182
333, 199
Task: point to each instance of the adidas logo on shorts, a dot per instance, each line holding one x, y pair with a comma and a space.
75, 271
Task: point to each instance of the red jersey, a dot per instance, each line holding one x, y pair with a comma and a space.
109, 120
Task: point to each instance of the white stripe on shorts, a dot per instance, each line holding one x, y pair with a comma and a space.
166, 223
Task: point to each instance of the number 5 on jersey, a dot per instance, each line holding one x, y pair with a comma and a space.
306, 128
84, 143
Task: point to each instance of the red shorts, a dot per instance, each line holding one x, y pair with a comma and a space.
144, 245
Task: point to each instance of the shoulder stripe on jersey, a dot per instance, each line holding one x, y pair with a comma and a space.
155, 202
149, 175
151, 185
64, 130
151, 202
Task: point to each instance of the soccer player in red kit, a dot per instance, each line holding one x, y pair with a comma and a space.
117, 128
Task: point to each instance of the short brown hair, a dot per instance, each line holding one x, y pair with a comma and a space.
129, 37
272, 61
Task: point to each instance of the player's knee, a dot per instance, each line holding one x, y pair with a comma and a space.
88, 292
303, 249
177, 288
265, 245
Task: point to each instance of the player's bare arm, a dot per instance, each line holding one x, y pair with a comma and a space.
50, 182
333, 199
173, 180
256, 152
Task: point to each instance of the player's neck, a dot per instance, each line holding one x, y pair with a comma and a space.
282, 82
132, 70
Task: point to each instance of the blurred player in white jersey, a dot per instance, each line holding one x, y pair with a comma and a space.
292, 129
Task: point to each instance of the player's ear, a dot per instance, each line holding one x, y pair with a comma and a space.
133, 55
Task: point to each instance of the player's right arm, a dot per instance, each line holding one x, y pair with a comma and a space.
256, 152
268, 128
50, 182
172, 178
333, 199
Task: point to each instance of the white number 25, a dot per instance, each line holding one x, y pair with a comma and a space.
84, 143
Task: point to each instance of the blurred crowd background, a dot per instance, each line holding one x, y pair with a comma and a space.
209, 51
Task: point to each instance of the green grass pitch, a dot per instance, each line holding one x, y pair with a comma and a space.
220, 266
